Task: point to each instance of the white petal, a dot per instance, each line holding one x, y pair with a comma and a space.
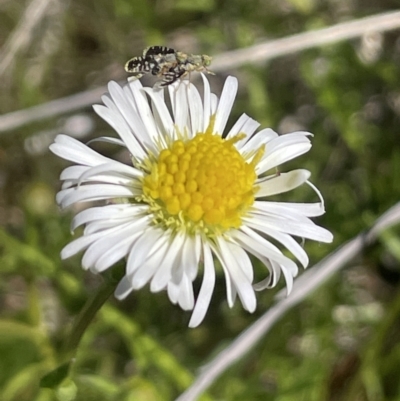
214, 104
230, 290
142, 124
164, 117
106, 99
163, 275
181, 112
151, 131
225, 104
70, 149
118, 213
190, 255
237, 126
114, 253
316, 190
281, 182
114, 169
242, 259
105, 224
245, 125
104, 179
93, 192
285, 208
172, 97
206, 290
300, 229
234, 271
186, 296
173, 292
119, 247
123, 289
134, 84
282, 149
126, 109
288, 278
150, 265
271, 281
97, 248
122, 129
195, 109
106, 139
261, 138
80, 244
257, 245
148, 244
73, 172
285, 239
72, 175
207, 103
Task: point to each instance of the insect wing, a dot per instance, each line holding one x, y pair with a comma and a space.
157, 51
135, 65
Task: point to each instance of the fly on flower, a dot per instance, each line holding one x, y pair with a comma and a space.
195, 200
167, 63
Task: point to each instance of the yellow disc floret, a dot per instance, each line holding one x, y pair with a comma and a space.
202, 182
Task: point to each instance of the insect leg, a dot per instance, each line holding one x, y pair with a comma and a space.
172, 76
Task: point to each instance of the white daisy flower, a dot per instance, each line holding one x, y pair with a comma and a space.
194, 198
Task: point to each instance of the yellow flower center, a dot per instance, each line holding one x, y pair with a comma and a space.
202, 182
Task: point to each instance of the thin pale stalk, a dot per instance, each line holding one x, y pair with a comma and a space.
262, 52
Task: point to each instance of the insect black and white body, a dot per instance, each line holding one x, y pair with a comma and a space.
167, 63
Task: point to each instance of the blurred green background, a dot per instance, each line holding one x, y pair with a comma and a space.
342, 343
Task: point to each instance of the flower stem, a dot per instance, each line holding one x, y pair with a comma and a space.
86, 315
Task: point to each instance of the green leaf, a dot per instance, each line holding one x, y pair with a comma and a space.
67, 391
16, 253
56, 376
391, 242
20, 346
199, 5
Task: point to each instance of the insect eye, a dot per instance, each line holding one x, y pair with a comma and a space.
206, 60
